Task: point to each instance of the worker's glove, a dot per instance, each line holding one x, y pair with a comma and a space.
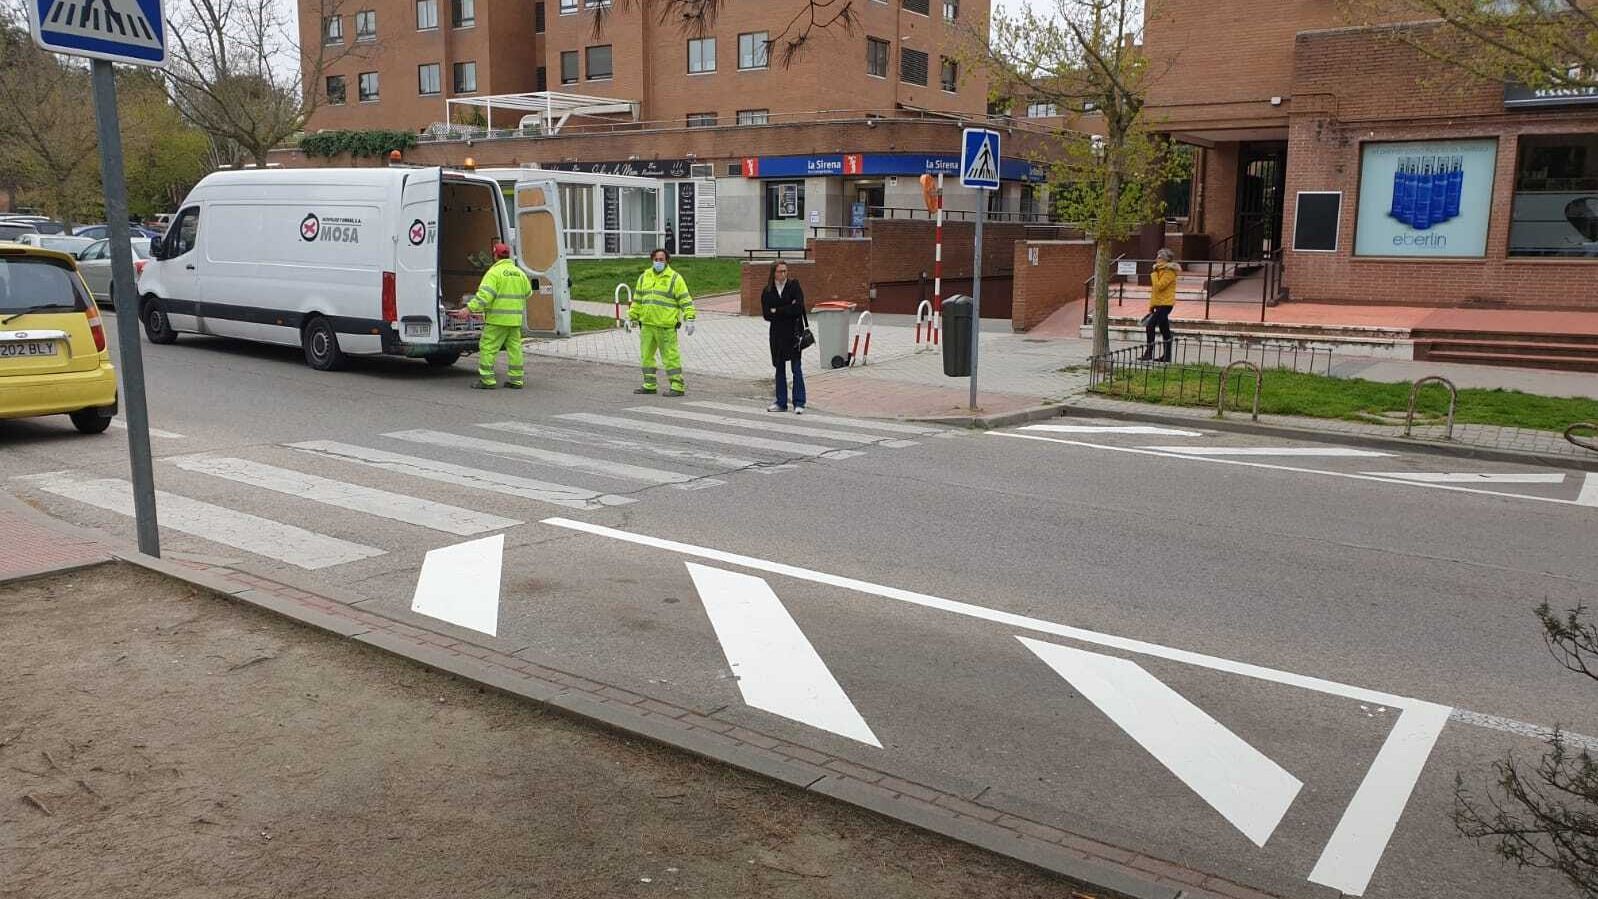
689, 327
627, 325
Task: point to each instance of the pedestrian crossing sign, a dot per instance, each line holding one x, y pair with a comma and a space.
979, 159
125, 31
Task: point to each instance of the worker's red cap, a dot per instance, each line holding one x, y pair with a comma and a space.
501, 251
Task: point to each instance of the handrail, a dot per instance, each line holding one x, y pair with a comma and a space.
616, 295
1414, 393
1220, 393
1586, 443
1087, 300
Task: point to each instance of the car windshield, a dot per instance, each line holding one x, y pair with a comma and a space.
29, 282
64, 244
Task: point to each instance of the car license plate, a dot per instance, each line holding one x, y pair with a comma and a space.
27, 348
418, 330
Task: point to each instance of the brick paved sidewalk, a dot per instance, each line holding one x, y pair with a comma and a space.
32, 549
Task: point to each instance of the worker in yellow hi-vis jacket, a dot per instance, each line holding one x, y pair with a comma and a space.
502, 301
660, 305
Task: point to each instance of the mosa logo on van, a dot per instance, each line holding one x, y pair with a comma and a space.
331, 230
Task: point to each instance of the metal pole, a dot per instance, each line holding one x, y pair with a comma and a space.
976, 295
937, 267
131, 361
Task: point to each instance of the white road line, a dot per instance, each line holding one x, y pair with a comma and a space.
1356, 846
1237, 780
460, 584
1296, 470
1268, 451
1589, 491
1524, 729
772, 426
121, 425
1114, 429
461, 476
822, 418
1395, 771
619, 470
395, 506
1469, 477
777, 669
650, 448
240, 530
783, 447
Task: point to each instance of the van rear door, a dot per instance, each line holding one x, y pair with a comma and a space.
542, 252
416, 278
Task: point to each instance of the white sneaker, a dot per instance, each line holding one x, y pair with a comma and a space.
798, 410
775, 408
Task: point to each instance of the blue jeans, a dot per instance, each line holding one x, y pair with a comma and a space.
798, 385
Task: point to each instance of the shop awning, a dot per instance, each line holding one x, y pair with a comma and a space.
554, 107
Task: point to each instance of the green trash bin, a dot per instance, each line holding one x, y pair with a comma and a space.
957, 336
830, 323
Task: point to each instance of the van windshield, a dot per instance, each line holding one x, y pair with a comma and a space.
28, 283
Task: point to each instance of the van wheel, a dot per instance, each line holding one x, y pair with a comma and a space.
156, 326
443, 360
321, 346
90, 421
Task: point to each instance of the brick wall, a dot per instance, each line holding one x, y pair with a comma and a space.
1393, 94
1056, 279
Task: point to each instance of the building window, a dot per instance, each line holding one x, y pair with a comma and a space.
919, 6
1555, 212
366, 25
335, 90
1039, 110
541, 80
426, 14
333, 30
463, 13
785, 215
701, 120
466, 78
1425, 199
427, 79
876, 57
752, 48
912, 66
538, 18
951, 10
754, 116
568, 67
702, 55
366, 84
949, 75
599, 63
567, 7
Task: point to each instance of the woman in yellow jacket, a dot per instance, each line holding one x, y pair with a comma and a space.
1161, 300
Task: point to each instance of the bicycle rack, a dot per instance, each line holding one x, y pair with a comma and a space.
617, 297
1414, 393
1226, 374
1588, 442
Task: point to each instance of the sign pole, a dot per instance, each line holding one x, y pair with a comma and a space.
131, 360
976, 295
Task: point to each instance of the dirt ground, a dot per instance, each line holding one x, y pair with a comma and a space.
159, 741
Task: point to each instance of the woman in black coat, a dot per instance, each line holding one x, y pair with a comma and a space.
783, 304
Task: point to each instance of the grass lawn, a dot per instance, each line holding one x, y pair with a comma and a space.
1354, 399
582, 322
596, 279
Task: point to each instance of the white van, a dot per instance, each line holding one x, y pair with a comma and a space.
336, 261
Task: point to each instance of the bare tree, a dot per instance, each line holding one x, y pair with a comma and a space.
1539, 43
48, 143
698, 17
239, 71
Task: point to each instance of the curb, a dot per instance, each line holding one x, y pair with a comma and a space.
997, 420
1371, 441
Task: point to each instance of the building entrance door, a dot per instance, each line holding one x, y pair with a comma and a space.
1261, 195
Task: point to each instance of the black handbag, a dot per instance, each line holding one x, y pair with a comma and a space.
806, 339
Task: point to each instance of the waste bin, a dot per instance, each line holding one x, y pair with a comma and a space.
957, 336
830, 323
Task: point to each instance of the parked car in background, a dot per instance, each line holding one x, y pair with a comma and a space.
41, 224
62, 243
101, 232
95, 264
53, 356
14, 230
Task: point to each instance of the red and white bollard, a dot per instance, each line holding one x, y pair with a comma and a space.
617, 297
924, 317
863, 324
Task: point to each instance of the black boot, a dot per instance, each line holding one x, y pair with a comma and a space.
1165, 352
1147, 354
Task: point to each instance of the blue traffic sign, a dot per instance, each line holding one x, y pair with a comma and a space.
979, 159
126, 31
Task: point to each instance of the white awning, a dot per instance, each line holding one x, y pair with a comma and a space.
554, 107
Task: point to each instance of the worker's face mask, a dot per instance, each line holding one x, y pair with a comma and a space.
659, 266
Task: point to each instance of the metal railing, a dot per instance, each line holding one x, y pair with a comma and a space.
1226, 374
1588, 441
1414, 394
1197, 368
752, 255
1219, 274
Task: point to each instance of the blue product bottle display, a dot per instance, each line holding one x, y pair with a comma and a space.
1440, 176
1400, 186
1421, 216
1405, 191
1456, 186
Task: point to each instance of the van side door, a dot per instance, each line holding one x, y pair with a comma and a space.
181, 287
541, 251
416, 275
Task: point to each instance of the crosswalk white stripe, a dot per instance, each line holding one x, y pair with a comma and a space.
396, 506
1589, 491
240, 530
1150, 430
654, 448
619, 470
461, 476
817, 418
1266, 451
775, 427
121, 425
1471, 477
784, 447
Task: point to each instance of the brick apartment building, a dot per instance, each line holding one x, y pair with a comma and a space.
771, 150
1376, 174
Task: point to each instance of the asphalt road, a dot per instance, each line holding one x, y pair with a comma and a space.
1255, 662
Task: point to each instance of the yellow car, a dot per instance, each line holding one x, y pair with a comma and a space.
53, 358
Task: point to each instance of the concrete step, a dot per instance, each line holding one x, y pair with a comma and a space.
1514, 360
1507, 348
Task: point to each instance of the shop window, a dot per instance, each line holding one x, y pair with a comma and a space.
1555, 211
599, 62
876, 57
427, 79
702, 55
465, 77
426, 14
1425, 199
568, 67
785, 215
335, 90
912, 66
752, 47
